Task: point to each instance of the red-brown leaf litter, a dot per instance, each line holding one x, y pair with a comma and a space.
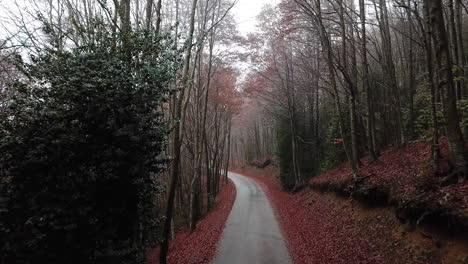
322, 227
200, 246
407, 175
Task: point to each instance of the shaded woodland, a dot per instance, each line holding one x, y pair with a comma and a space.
119, 120
115, 125
344, 80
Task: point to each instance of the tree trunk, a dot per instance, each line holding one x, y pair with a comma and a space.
177, 141
454, 46
228, 150
435, 150
149, 13
446, 85
365, 82
389, 69
158, 16
351, 87
325, 39
461, 49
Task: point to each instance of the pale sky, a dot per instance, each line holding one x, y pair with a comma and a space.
246, 11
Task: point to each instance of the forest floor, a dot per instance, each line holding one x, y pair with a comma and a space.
381, 219
404, 179
199, 247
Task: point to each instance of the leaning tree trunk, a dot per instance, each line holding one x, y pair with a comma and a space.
177, 141
325, 41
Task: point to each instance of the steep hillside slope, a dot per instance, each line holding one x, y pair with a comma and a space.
397, 212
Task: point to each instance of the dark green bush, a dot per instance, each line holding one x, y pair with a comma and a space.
285, 176
80, 146
334, 154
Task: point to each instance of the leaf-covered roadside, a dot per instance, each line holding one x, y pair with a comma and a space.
324, 228
200, 246
404, 179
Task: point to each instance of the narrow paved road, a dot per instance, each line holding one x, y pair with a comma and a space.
252, 234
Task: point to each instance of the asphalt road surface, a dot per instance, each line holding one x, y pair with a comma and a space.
252, 234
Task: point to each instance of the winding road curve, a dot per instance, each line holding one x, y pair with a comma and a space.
252, 234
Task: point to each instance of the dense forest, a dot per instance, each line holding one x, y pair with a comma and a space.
115, 121
347, 79
119, 120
